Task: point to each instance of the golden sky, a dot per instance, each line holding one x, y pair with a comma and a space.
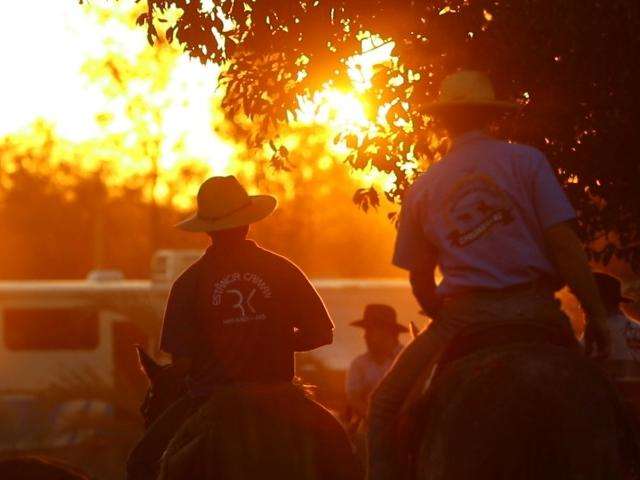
45, 44
42, 56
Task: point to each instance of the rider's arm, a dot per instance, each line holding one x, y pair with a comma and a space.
423, 285
572, 264
312, 324
414, 252
556, 217
305, 339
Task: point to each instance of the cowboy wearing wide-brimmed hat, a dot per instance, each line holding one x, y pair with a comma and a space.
381, 332
237, 315
624, 362
495, 220
381, 336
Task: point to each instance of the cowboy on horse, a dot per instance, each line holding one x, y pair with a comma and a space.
233, 320
495, 220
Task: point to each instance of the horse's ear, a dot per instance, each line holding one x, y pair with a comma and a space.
414, 330
149, 367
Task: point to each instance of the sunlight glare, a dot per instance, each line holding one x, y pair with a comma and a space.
48, 79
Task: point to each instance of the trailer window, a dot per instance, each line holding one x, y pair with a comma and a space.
50, 329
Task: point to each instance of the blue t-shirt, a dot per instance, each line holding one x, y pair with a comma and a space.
480, 214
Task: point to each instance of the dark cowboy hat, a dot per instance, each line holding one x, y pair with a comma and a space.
224, 204
610, 289
380, 316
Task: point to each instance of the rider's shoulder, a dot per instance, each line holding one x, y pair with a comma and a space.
423, 180
521, 151
278, 260
189, 275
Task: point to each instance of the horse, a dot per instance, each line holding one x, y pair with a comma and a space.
244, 430
514, 402
38, 468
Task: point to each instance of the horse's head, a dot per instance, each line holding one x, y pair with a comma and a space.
166, 386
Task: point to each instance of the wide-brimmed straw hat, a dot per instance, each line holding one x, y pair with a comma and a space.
468, 89
224, 204
610, 289
380, 316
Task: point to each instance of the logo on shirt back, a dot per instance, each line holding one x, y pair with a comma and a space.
237, 294
473, 208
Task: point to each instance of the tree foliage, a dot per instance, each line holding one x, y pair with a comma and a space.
571, 64
115, 196
45, 196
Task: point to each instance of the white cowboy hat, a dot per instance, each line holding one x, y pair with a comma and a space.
467, 88
224, 204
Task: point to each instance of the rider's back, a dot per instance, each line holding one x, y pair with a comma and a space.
246, 304
484, 209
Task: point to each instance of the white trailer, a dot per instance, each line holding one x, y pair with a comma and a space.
49, 328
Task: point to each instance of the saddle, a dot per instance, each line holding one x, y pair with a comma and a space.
260, 431
472, 340
491, 335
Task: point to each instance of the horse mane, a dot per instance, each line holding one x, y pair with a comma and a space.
32, 467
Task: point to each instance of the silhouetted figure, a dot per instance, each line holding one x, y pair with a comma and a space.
236, 316
381, 332
493, 217
623, 365
624, 362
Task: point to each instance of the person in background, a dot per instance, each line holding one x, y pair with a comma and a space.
381, 332
624, 362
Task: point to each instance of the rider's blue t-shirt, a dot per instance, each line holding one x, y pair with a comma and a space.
480, 213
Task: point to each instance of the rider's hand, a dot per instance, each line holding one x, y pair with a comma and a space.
597, 338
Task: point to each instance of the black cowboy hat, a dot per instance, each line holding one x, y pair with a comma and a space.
224, 204
610, 289
379, 316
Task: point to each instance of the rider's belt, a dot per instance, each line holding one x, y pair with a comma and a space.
543, 285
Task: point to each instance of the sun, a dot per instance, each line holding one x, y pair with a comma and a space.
80, 111
335, 108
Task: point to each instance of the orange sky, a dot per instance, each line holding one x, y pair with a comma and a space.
45, 80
